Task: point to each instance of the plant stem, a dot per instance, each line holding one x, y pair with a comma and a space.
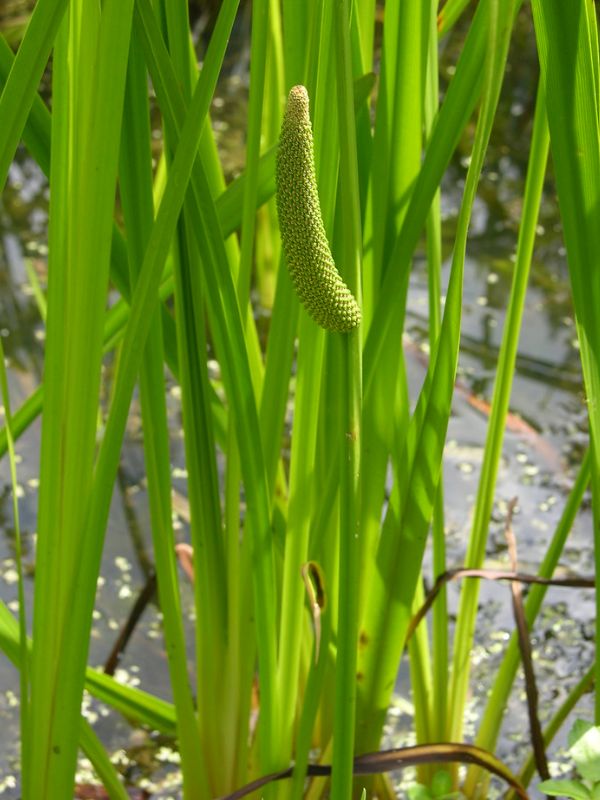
345, 696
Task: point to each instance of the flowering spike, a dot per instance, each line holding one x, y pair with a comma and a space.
318, 283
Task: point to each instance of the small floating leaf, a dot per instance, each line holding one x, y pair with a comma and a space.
318, 283
572, 789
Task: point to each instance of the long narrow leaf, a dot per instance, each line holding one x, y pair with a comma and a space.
569, 74
404, 533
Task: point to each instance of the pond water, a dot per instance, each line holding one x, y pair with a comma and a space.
537, 467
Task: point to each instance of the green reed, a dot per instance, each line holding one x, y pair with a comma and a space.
187, 242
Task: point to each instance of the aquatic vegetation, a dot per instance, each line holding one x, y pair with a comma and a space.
307, 560
584, 749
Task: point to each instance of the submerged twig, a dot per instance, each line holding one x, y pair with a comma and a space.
144, 597
399, 758
537, 737
185, 554
576, 582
